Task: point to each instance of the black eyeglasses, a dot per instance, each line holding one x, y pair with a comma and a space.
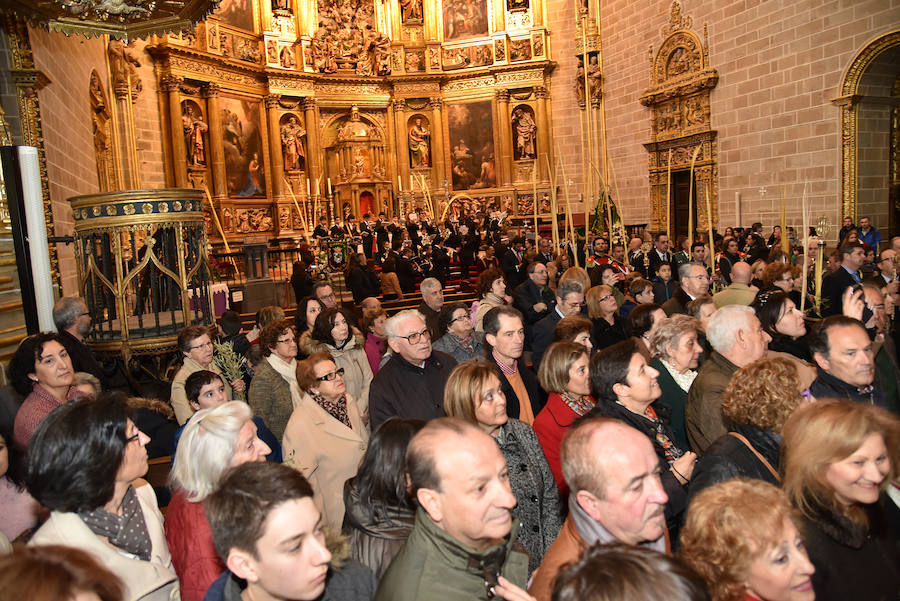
455, 319
416, 336
286, 340
331, 375
132, 438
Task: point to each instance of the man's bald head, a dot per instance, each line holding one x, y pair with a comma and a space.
741, 273
586, 445
427, 444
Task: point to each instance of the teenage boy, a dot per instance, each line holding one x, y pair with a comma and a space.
268, 532
206, 390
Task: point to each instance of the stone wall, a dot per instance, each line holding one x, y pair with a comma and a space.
66, 124
780, 64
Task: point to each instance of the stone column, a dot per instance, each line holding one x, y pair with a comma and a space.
437, 142
543, 133
275, 147
216, 151
179, 151
402, 143
312, 151
504, 163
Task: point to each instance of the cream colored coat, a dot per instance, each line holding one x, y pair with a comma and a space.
326, 451
153, 580
357, 371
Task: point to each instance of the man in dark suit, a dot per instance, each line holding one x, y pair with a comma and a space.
367, 233
569, 300
513, 263
321, 230
694, 283
853, 256
545, 253
534, 299
658, 254
504, 335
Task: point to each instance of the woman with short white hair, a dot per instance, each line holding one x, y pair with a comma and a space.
213, 441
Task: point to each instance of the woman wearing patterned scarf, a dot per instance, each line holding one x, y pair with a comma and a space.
326, 436
85, 464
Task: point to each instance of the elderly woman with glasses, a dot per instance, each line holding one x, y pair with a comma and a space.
85, 464
273, 391
676, 354
213, 441
196, 346
458, 337
326, 437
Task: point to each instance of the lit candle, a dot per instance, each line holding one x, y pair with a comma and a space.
307, 188
399, 184
329, 186
317, 185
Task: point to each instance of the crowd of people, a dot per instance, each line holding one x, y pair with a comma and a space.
604, 422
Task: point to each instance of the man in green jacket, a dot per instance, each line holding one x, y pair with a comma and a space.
462, 546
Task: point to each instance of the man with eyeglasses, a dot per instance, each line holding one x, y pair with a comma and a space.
411, 383
569, 301
73, 322
694, 281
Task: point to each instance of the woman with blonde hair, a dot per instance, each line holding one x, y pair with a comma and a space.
838, 458
578, 274
473, 393
757, 402
742, 536
564, 374
603, 309
213, 441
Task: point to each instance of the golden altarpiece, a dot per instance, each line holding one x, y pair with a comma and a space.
682, 138
289, 110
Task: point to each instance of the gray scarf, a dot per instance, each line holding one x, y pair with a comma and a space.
593, 531
127, 531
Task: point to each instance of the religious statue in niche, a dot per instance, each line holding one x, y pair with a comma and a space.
360, 163
346, 39
292, 150
286, 58
228, 219
419, 145
516, 4
272, 51
524, 133
595, 79
411, 11
123, 63
194, 128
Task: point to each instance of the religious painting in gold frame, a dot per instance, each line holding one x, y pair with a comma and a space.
470, 126
464, 19
237, 13
242, 141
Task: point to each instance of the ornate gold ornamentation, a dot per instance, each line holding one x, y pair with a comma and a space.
146, 208
849, 111
129, 209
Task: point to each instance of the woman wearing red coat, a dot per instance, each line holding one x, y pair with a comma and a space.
565, 375
213, 440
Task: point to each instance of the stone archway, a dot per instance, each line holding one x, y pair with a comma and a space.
680, 120
870, 103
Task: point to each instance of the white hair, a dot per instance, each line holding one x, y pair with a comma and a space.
206, 448
723, 326
390, 326
429, 284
